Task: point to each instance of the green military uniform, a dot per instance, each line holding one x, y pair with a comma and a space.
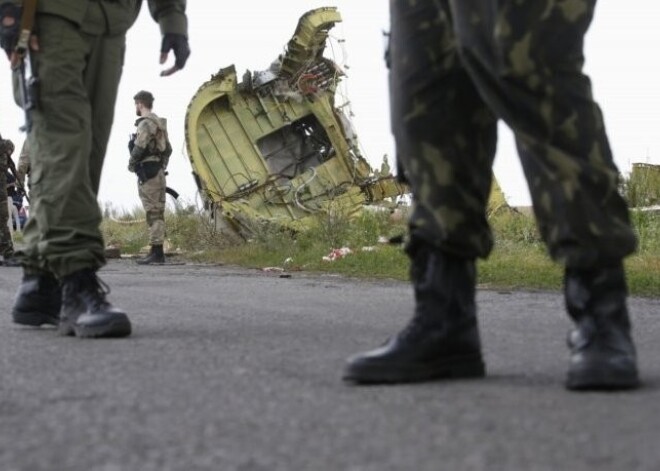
457, 66
150, 142
23, 165
6, 245
82, 45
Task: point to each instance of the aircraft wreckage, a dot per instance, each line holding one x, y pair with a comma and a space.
276, 146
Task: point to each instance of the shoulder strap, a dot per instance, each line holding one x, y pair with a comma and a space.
161, 129
157, 122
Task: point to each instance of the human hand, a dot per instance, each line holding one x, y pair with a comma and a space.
179, 44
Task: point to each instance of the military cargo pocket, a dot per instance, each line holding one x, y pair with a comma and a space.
61, 59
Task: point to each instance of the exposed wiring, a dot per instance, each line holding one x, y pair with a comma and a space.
296, 194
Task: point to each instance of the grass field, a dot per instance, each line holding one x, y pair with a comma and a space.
519, 260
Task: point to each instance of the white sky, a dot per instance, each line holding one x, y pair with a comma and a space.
621, 59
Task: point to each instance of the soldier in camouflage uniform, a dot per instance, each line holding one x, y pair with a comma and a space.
78, 53
150, 151
456, 68
6, 244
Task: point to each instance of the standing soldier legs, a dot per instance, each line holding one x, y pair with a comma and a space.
453, 62
445, 137
531, 76
79, 70
152, 195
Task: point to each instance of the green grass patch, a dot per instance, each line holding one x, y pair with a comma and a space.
517, 266
519, 260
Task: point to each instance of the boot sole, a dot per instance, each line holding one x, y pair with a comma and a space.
602, 380
454, 368
34, 319
114, 329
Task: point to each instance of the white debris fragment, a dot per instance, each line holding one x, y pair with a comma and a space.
336, 254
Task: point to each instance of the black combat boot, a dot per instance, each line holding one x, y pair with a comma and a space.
85, 311
602, 351
156, 255
38, 301
442, 339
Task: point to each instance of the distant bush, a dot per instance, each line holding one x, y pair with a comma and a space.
642, 187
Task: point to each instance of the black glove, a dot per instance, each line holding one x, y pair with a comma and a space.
131, 142
179, 44
9, 32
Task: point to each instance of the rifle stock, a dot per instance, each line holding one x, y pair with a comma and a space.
172, 192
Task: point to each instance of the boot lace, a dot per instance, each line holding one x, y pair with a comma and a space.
96, 293
89, 288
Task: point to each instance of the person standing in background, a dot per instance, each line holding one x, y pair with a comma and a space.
150, 151
6, 243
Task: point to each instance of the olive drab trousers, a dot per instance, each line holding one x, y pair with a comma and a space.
79, 70
456, 68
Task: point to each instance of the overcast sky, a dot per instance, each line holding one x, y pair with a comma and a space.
621, 56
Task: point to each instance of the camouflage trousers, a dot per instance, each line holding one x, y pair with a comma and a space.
456, 68
6, 245
152, 195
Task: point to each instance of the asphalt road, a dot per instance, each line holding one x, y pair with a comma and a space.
234, 369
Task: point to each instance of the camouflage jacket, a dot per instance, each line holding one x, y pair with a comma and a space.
121, 14
6, 146
6, 149
151, 142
